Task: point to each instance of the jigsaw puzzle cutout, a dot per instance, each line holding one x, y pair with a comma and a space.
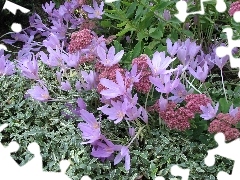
177, 171
227, 150
222, 51
33, 169
182, 9
17, 13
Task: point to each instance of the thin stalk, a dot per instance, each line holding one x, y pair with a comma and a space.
224, 90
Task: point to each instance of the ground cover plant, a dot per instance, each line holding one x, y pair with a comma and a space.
123, 90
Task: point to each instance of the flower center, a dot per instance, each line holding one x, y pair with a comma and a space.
45, 96
97, 12
96, 126
120, 114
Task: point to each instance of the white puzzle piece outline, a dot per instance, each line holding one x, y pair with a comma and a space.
177, 171
227, 150
33, 169
182, 6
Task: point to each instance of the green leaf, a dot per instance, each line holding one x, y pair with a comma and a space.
131, 9
188, 33
118, 46
106, 23
157, 33
224, 105
137, 49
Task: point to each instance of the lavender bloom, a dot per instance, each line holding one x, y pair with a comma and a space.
133, 113
172, 48
103, 150
6, 67
233, 111
131, 131
168, 84
144, 115
166, 15
109, 59
38, 93
163, 103
159, 63
29, 67
132, 75
117, 112
90, 129
48, 8
90, 79
73, 60
179, 93
201, 73
124, 153
65, 86
52, 41
208, 111
96, 11
187, 51
128, 39
114, 89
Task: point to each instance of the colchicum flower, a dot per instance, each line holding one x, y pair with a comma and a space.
90, 129
208, 111
109, 59
6, 67
38, 93
96, 11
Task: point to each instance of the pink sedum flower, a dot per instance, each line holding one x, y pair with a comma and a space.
234, 7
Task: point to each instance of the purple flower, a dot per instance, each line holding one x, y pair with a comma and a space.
96, 11
132, 75
90, 79
65, 86
6, 67
166, 15
162, 103
168, 86
38, 93
114, 89
133, 113
52, 41
172, 48
117, 112
109, 59
124, 153
131, 131
179, 93
29, 67
233, 111
103, 150
201, 73
73, 60
90, 129
160, 63
208, 111
144, 115
48, 8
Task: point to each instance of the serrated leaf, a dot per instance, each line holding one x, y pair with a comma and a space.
137, 49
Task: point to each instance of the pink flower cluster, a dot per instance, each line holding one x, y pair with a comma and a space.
144, 84
225, 123
235, 6
80, 40
194, 101
178, 118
